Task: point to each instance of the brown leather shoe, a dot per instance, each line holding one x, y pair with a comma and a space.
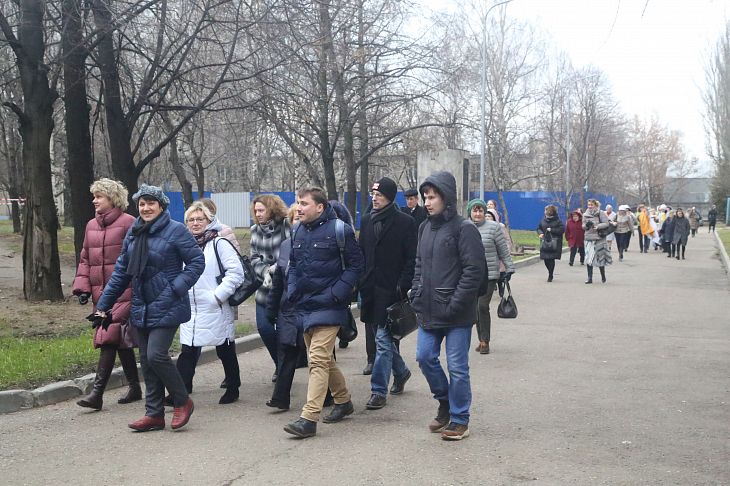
146, 424
484, 347
442, 417
181, 415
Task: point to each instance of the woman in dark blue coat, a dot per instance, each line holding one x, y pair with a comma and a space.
162, 260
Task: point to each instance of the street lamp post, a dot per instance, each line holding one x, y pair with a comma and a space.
483, 93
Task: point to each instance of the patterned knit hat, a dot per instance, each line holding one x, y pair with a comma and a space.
151, 192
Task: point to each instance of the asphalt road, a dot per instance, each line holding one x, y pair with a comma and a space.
620, 383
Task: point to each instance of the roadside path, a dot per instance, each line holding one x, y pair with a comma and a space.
622, 383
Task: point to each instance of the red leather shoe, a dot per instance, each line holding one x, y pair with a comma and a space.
181, 415
146, 424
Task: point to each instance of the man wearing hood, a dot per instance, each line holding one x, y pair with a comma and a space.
320, 283
388, 240
449, 269
413, 209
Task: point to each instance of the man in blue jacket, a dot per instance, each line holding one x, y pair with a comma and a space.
322, 277
449, 268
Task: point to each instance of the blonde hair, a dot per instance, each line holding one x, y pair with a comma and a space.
292, 213
274, 205
595, 202
208, 203
114, 190
199, 206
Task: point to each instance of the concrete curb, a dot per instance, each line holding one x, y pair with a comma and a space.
16, 400
723, 253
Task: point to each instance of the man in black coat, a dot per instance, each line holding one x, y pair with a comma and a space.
449, 268
413, 209
388, 240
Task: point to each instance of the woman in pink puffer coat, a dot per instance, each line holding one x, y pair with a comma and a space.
103, 240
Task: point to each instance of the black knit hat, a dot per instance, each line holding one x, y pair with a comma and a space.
387, 187
411, 192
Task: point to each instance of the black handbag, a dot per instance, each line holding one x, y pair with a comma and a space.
348, 331
251, 281
401, 319
507, 308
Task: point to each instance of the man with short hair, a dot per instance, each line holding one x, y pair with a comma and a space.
388, 240
413, 209
449, 270
320, 284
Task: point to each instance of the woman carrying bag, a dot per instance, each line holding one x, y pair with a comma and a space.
550, 230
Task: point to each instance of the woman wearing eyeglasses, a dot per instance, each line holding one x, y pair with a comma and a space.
211, 317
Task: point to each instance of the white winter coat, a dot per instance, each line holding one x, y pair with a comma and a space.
211, 323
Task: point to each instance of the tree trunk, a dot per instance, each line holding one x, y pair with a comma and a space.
80, 162
177, 168
327, 151
41, 266
117, 124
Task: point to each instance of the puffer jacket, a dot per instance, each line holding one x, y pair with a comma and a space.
317, 285
625, 223
599, 220
496, 248
681, 230
211, 323
556, 232
103, 241
449, 263
160, 294
574, 232
227, 233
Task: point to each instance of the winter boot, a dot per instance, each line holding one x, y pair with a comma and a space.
589, 280
129, 364
103, 371
603, 274
683, 248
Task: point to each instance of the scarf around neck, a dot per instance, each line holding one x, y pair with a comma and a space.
378, 217
138, 257
204, 237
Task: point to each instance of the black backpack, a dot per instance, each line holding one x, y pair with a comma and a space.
251, 281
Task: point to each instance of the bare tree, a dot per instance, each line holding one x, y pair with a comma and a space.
41, 266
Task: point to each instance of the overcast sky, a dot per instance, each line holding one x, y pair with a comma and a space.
652, 51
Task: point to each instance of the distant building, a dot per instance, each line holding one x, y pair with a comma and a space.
686, 192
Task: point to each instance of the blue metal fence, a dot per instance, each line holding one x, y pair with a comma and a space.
177, 205
526, 208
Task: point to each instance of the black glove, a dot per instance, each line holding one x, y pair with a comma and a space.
589, 225
84, 298
97, 321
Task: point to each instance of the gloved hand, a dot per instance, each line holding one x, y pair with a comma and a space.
589, 225
504, 277
84, 298
100, 320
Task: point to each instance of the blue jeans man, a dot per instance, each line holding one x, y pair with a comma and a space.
387, 359
454, 392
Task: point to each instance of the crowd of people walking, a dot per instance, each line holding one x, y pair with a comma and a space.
152, 276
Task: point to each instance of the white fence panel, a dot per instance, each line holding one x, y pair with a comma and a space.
233, 208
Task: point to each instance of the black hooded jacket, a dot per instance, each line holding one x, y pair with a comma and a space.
449, 263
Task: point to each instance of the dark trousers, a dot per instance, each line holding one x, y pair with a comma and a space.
158, 370
484, 322
577, 249
694, 232
268, 333
550, 265
622, 242
188, 360
710, 227
646, 245
289, 359
370, 345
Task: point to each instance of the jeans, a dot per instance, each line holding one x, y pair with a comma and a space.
484, 323
647, 243
387, 358
622, 242
158, 370
457, 389
268, 334
323, 371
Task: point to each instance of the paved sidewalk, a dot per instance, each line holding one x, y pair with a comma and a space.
618, 383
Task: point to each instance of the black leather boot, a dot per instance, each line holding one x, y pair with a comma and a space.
589, 280
603, 274
103, 371
129, 364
